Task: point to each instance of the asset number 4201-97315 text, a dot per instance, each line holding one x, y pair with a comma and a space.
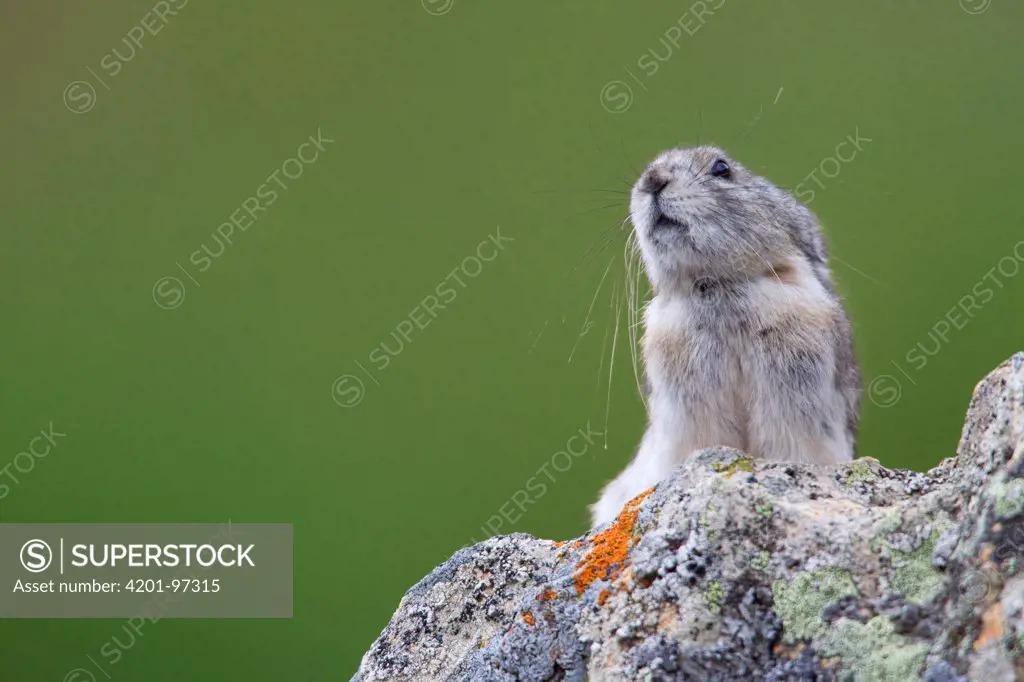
176, 585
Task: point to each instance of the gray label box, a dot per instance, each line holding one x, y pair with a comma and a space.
145, 570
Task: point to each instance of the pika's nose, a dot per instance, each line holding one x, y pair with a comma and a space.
653, 181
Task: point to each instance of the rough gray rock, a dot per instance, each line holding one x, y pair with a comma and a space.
735, 569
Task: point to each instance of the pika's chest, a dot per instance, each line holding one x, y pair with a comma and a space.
721, 346
687, 347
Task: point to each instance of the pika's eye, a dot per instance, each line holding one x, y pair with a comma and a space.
721, 169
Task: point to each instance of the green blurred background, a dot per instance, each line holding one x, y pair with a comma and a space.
449, 121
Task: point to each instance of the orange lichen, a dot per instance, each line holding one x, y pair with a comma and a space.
793, 652
991, 626
609, 549
528, 617
548, 596
602, 597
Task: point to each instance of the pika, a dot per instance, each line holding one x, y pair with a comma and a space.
745, 341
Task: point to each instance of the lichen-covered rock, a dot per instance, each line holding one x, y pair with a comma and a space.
735, 569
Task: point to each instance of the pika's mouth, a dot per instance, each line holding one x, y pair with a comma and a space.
664, 222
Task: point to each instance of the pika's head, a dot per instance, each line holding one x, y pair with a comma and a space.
699, 214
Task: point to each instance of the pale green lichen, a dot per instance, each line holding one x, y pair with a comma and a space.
741, 464
872, 651
760, 562
709, 509
713, 596
1008, 497
764, 508
890, 521
799, 602
861, 471
914, 576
